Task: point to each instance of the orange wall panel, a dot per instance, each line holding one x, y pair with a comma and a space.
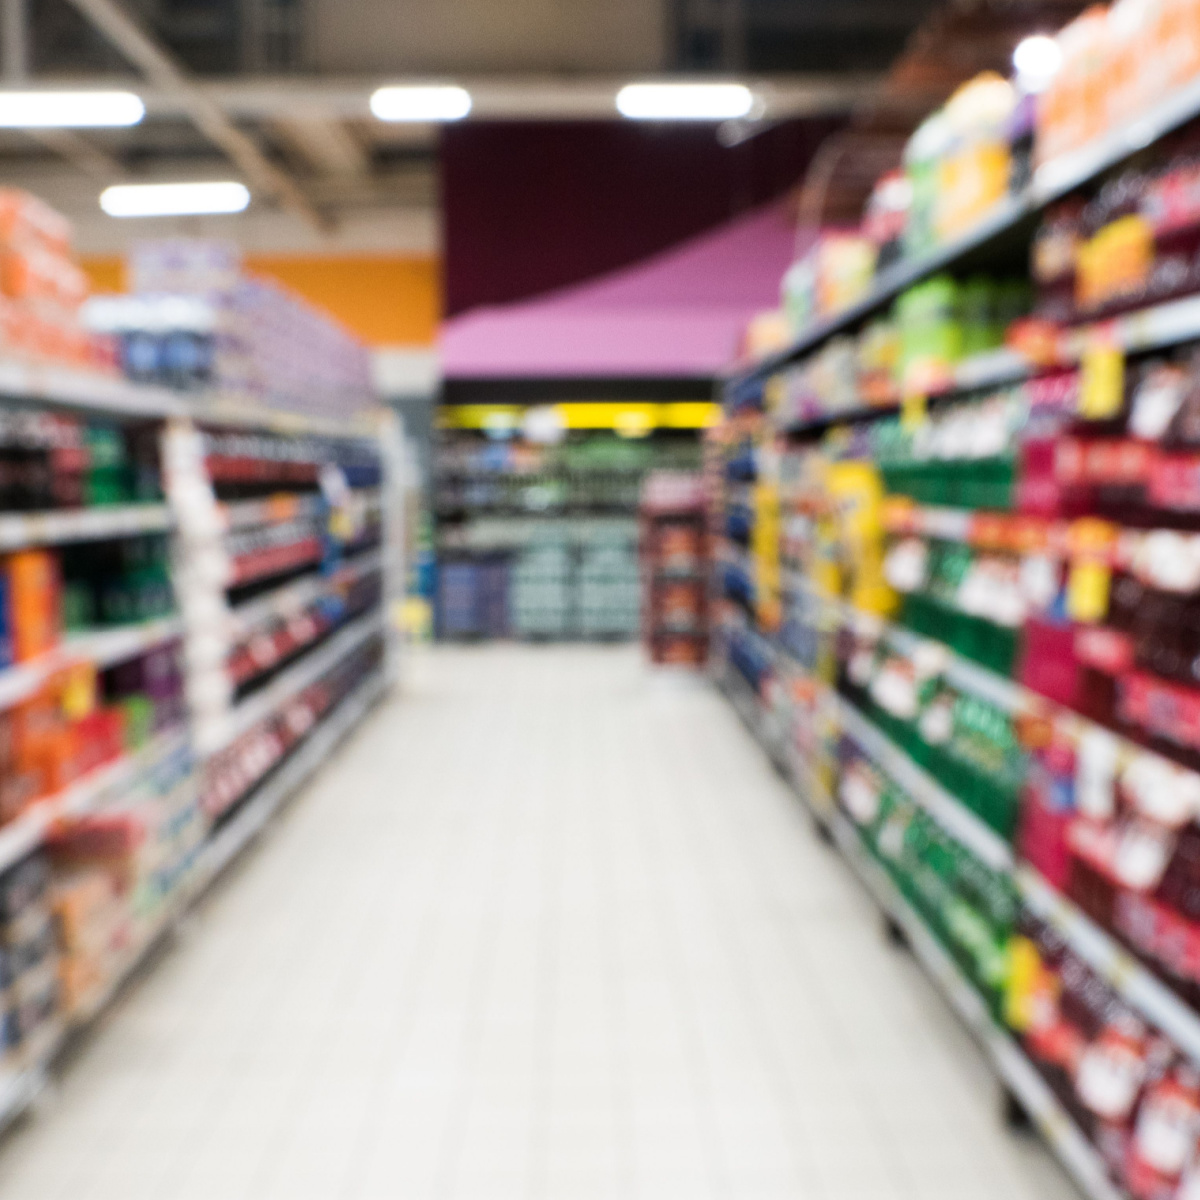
388, 300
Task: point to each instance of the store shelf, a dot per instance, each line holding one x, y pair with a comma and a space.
1004, 217
947, 810
25, 833
246, 412
107, 647
20, 1088
1155, 327
1007, 1059
295, 771
1011, 1064
88, 390
935, 521
260, 565
1069, 171
263, 704
92, 391
941, 804
1120, 969
274, 510
21, 530
961, 672
104, 647
995, 368
287, 600
1051, 181
1112, 962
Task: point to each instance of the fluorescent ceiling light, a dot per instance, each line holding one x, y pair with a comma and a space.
684, 101
421, 103
1036, 59
69, 110
173, 199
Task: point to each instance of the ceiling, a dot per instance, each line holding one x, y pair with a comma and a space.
291, 79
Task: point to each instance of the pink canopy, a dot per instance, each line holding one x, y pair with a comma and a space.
680, 314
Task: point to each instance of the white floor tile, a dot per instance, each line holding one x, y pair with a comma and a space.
546, 929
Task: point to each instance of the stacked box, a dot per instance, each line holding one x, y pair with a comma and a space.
540, 594
608, 589
456, 596
472, 598
492, 597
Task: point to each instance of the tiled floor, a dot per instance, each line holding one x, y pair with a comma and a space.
548, 927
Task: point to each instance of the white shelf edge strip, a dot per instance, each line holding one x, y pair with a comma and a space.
1112, 962
1010, 1063
296, 678
947, 810
294, 595
51, 383
84, 389
102, 647
19, 530
1152, 328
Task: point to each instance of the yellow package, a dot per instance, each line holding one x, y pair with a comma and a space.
856, 493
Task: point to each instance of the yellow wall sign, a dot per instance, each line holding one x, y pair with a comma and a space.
631, 418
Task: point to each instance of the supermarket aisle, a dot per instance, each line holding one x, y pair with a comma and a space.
547, 928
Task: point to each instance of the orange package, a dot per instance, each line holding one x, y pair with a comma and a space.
25, 217
35, 602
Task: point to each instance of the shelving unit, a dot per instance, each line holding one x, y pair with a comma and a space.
946, 810
102, 647
108, 784
24, 834
1006, 1058
1051, 182
257, 708
281, 602
21, 530
827, 626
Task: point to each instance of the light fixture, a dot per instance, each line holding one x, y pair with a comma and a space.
421, 104
684, 101
69, 110
173, 199
1036, 60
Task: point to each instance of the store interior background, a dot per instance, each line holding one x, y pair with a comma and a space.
546, 253
402, 224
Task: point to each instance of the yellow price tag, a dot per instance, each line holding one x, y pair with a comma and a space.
914, 412
1102, 382
79, 691
1087, 592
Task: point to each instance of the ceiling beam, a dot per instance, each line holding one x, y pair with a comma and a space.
325, 144
80, 153
205, 112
